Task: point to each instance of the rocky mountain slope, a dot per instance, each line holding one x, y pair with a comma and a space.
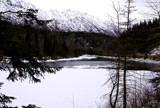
66, 20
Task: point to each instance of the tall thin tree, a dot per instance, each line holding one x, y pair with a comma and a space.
129, 8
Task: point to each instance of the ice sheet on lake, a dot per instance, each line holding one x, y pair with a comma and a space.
83, 57
82, 87
94, 66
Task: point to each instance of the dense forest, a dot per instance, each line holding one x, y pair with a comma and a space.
144, 36
42, 43
140, 39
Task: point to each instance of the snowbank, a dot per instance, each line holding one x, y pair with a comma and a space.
83, 57
144, 60
155, 51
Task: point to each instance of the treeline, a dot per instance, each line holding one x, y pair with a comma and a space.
141, 38
26, 40
17, 40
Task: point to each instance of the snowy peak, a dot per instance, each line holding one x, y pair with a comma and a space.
19, 4
77, 21
66, 20
15, 5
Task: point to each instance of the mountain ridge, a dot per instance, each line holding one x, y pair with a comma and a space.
66, 20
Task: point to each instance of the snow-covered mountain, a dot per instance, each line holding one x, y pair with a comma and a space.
66, 20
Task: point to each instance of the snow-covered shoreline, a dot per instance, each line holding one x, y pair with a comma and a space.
90, 57
142, 60
83, 57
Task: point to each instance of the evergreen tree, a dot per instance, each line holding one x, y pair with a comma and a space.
4, 100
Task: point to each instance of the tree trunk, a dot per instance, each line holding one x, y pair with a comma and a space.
159, 20
124, 84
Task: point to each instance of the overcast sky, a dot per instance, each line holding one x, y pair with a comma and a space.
98, 8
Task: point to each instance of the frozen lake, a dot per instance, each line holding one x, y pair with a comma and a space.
65, 89
80, 84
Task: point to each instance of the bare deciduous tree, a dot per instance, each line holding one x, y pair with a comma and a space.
121, 52
117, 18
129, 8
154, 6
